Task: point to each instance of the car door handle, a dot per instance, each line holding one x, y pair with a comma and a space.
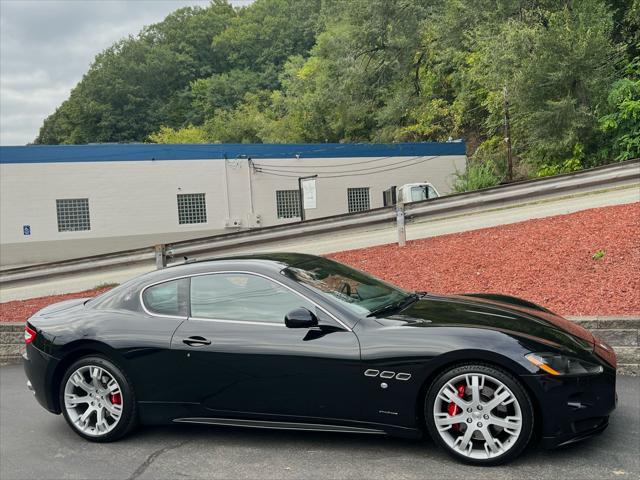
196, 341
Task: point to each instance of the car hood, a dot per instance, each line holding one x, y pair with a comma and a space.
507, 315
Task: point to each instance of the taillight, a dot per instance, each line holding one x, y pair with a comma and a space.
29, 334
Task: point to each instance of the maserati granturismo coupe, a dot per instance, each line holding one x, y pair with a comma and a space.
293, 341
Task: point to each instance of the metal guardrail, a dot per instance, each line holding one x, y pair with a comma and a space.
606, 176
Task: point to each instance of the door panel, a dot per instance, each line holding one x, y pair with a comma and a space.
242, 357
270, 369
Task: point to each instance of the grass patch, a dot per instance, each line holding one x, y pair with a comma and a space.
106, 285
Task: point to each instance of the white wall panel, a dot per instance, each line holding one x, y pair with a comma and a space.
137, 199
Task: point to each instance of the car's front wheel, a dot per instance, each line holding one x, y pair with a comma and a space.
97, 400
479, 414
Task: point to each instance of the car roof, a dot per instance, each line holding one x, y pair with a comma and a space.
417, 184
286, 258
256, 262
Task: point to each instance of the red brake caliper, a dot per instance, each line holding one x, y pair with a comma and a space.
116, 399
453, 409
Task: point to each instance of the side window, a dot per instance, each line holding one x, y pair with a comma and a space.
358, 199
168, 298
73, 214
418, 193
288, 203
192, 208
432, 192
244, 297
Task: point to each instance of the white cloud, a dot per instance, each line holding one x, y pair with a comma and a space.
47, 45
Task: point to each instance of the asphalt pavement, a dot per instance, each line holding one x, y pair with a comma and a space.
35, 444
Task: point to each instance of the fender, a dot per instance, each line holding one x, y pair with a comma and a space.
70, 353
520, 302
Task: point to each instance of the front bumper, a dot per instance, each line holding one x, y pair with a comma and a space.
573, 408
40, 369
585, 429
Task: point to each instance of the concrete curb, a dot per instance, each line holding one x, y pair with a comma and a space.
622, 333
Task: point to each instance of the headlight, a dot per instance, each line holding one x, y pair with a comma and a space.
557, 364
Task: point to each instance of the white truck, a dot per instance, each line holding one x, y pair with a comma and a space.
409, 192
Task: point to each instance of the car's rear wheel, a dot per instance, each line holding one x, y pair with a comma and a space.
479, 414
97, 400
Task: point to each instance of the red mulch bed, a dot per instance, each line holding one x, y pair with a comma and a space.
20, 310
548, 261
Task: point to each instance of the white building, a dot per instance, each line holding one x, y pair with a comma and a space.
70, 201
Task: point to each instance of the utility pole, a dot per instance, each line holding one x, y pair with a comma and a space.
507, 135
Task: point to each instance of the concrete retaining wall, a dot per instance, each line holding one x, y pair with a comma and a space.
11, 342
622, 333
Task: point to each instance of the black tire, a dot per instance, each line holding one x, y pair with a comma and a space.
128, 418
510, 382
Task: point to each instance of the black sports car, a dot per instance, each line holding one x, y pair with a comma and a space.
302, 342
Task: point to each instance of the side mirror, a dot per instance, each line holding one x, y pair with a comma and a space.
300, 318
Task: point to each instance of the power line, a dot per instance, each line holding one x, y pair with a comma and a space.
290, 170
395, 167
323, 166
377, 167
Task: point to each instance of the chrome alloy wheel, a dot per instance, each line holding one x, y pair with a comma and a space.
478, 416
93, 400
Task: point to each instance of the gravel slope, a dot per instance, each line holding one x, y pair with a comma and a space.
549, 261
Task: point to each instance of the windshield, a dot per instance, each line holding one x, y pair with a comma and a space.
361, 293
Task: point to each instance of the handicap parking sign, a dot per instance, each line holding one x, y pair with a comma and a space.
26, 229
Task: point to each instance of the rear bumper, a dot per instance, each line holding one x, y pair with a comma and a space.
573, 408
39, 369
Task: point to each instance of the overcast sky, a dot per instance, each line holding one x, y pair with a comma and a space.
47, 45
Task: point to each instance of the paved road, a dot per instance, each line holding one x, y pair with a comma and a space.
36, 444
357, 238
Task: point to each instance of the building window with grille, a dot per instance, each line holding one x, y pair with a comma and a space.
288, 203
192, 208
358, 199
73, 214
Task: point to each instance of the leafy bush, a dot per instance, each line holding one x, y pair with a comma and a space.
477, 175
570, 165
188, 134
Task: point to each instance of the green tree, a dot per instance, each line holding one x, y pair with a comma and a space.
261, 37
141, 82
623, 124
378, 71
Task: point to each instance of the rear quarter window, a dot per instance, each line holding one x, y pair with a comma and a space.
122, 297
168, 298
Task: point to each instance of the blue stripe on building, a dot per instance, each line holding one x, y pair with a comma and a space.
146, 152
